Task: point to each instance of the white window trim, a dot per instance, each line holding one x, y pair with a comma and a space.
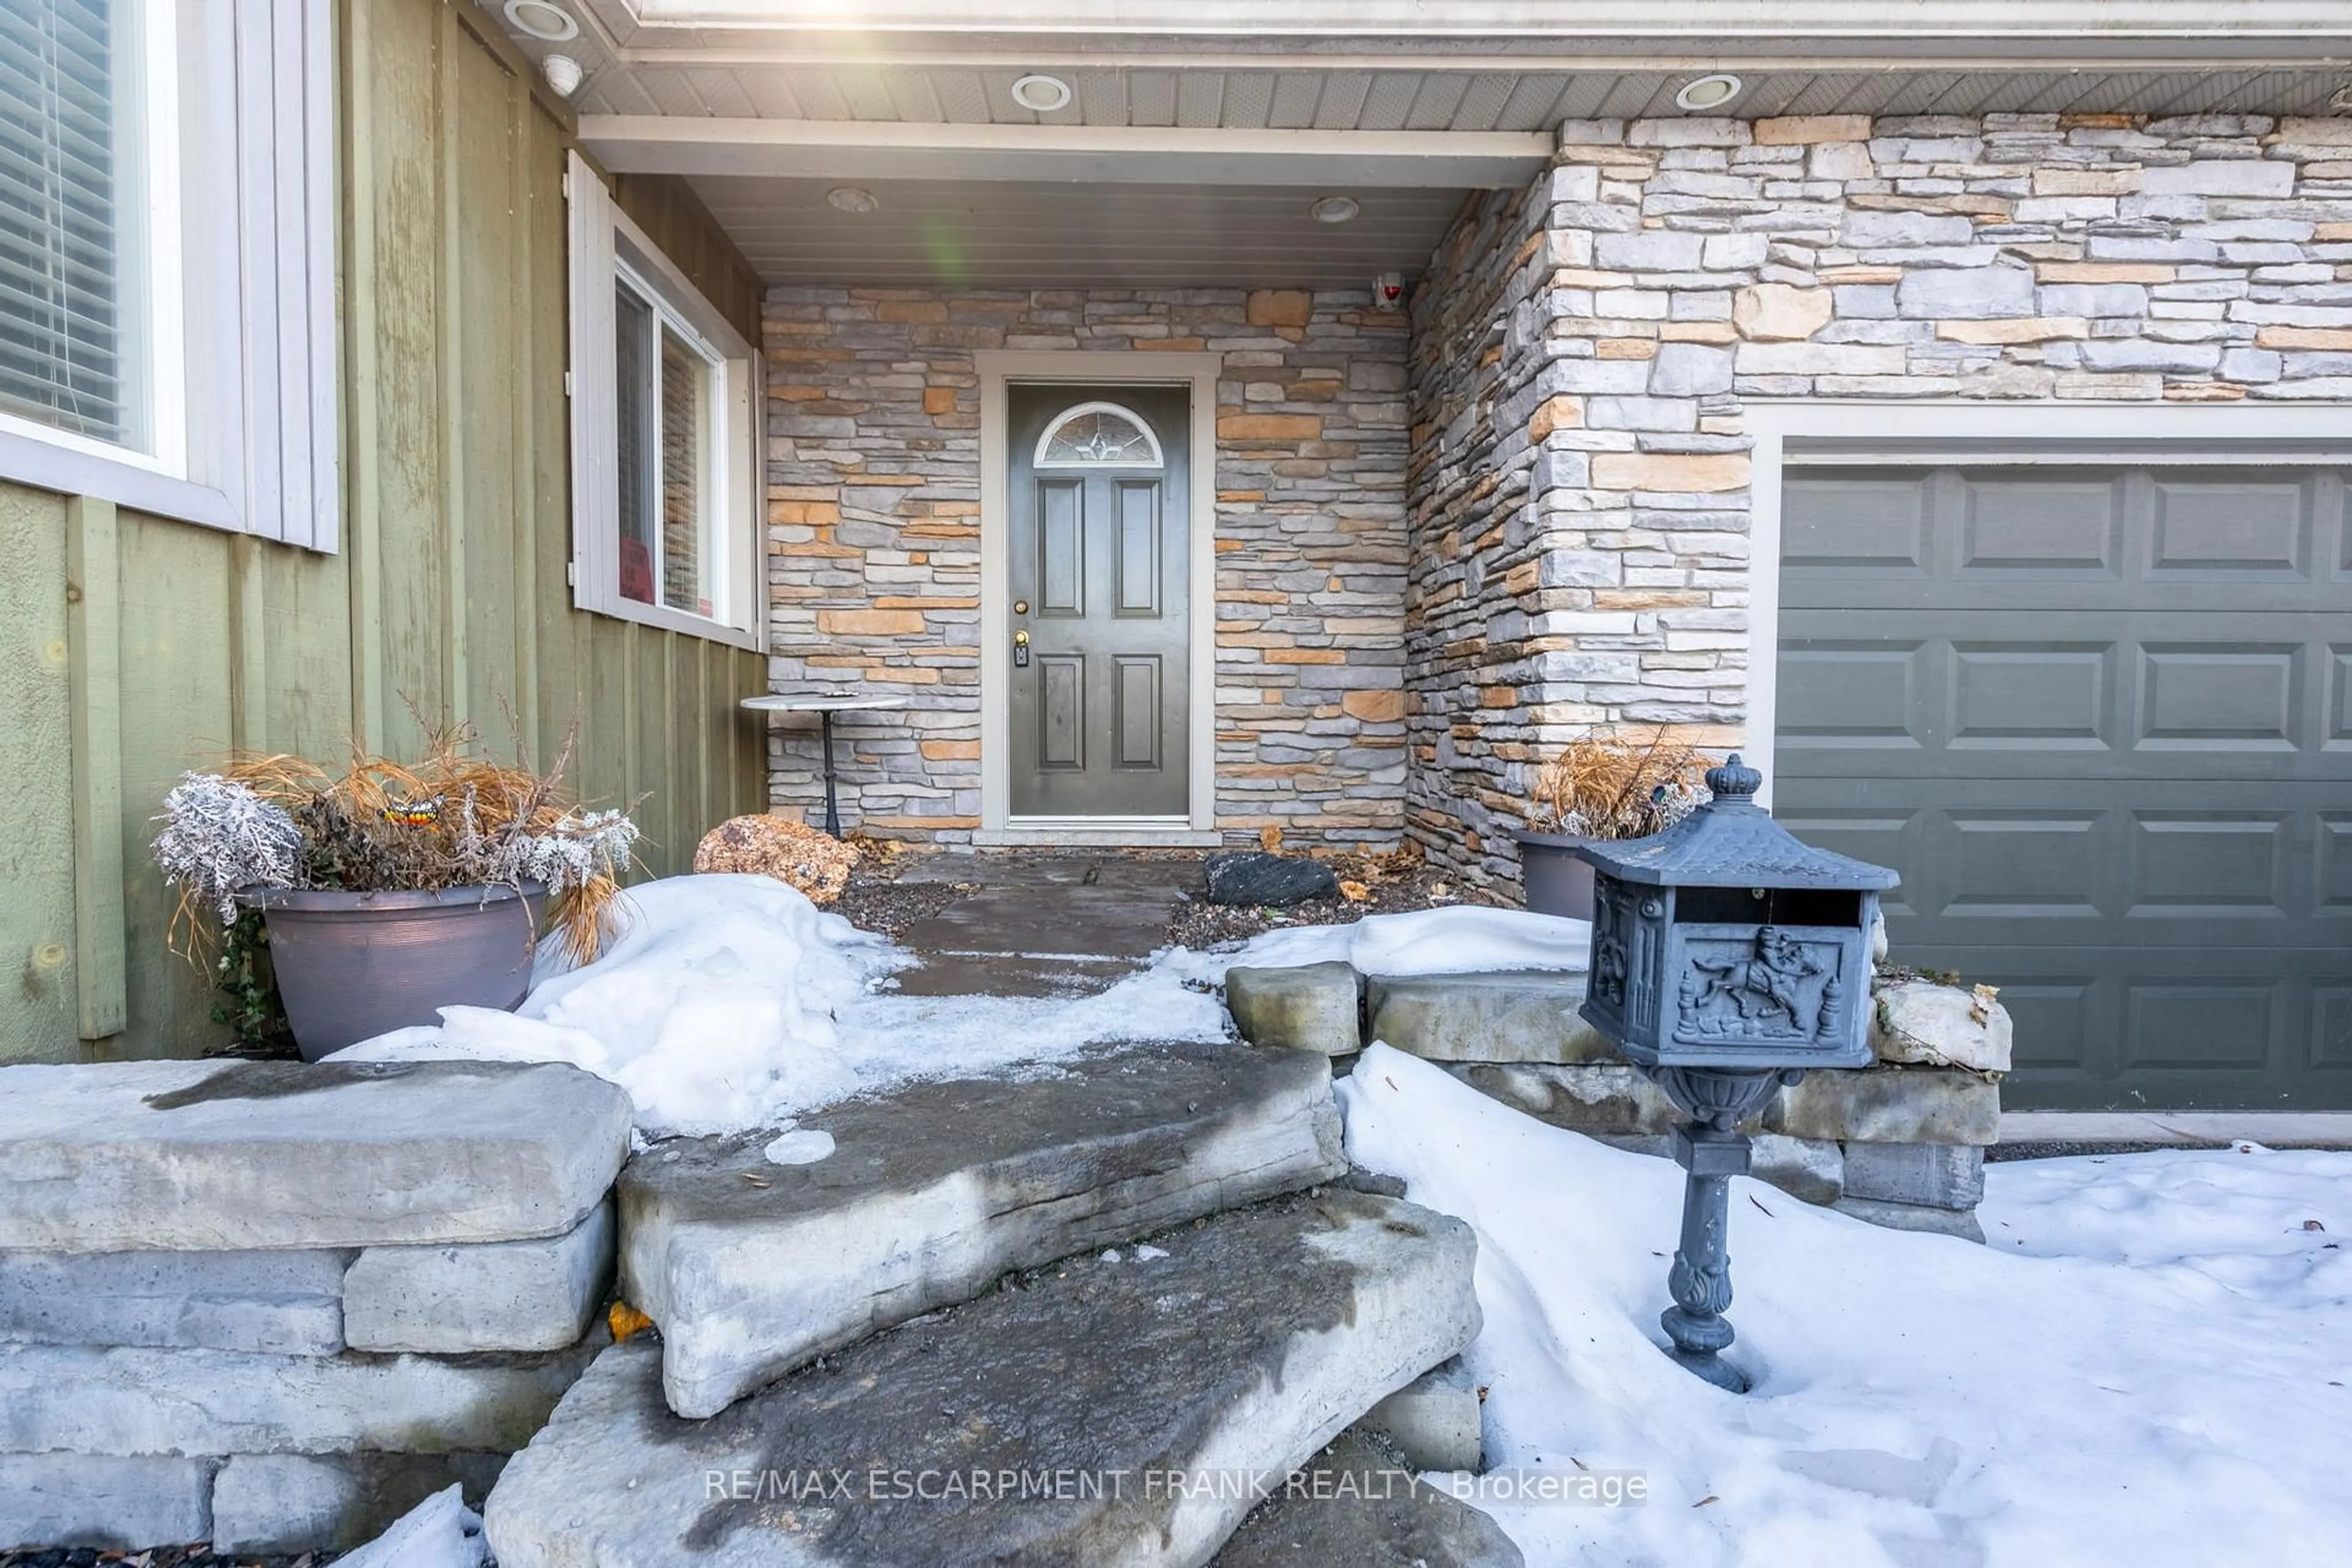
240, 202
1822, 432
606, 244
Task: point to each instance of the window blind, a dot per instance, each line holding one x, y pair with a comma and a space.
63, 359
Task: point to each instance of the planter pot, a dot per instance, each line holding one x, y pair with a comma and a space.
1557, 882
351, 966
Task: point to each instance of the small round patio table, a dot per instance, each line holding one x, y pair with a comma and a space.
825, 707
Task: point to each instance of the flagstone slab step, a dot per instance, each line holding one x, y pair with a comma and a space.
931, 1191
196, 1402
1252, 1341
1505, 1016
281, 1303
1354, 1505
1301, 1008
124, 1156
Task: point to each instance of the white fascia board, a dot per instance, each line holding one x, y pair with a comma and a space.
848, 150
1689, 19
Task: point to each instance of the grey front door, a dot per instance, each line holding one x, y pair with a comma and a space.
1101, 599
2101, 719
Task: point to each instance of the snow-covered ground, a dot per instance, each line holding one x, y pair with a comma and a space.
731, 1002
2147, 1365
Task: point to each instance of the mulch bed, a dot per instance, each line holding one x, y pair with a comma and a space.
1199, 923
877, 901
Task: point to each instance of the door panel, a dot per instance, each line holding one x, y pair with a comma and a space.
1100, 581
2098, 719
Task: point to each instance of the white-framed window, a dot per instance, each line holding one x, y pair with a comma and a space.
167, 324
665, 442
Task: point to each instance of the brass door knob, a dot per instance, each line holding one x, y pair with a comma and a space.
1020, 639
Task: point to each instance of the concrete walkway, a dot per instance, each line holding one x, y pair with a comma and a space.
2272, 1129
1043, 924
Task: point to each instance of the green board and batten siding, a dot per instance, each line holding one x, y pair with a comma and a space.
136, 646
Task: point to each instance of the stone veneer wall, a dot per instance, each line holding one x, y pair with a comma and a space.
1583, 350
874, 542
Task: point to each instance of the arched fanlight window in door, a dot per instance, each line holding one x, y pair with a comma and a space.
1097, 435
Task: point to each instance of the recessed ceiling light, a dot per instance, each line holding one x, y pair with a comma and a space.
1044, 94
1709, 91
852, 198
542, 19
1335, 209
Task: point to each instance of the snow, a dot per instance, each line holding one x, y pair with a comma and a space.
727, 1002
439, 1532
2147, 1365
1459, 939
799, 1146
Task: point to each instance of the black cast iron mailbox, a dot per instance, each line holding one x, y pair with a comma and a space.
1727, 960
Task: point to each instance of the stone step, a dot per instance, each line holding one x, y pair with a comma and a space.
931, 1191
200, 1156
1220, 1362
1301, 1008
1355, 1505
1507, 1017
196, 1402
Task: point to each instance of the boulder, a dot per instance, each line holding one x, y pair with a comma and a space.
1513, 1017
88, 1401
931, 1191
1276, 881
211, 1155
280, 1303
1433, 1421
1309, 1007
122, 1502
282, 1503
1095, 1412
1918, 1021
535, 1295
1354, 1505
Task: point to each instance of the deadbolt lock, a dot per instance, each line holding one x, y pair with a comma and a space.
1019, 607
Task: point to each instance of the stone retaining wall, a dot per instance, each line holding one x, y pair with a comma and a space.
1584, 351
275, 1305
874, 542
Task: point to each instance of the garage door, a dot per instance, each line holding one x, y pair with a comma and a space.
2101, 719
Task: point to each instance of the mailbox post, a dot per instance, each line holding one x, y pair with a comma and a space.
1728, 959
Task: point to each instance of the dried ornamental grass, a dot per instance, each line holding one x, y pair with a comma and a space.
799, 856
451, 820
1610, 786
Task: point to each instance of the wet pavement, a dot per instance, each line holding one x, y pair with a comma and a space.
1043, 924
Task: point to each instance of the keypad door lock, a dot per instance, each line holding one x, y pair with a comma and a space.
1020, 650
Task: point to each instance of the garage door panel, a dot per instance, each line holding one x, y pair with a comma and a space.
2101, 721
2232, 525
1856, 694
2043, 525
2216, 865
2172, 1022
1858, 525
2031, 695
2221, 695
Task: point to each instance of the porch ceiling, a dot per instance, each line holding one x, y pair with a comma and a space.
1052, 234
1463, 66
